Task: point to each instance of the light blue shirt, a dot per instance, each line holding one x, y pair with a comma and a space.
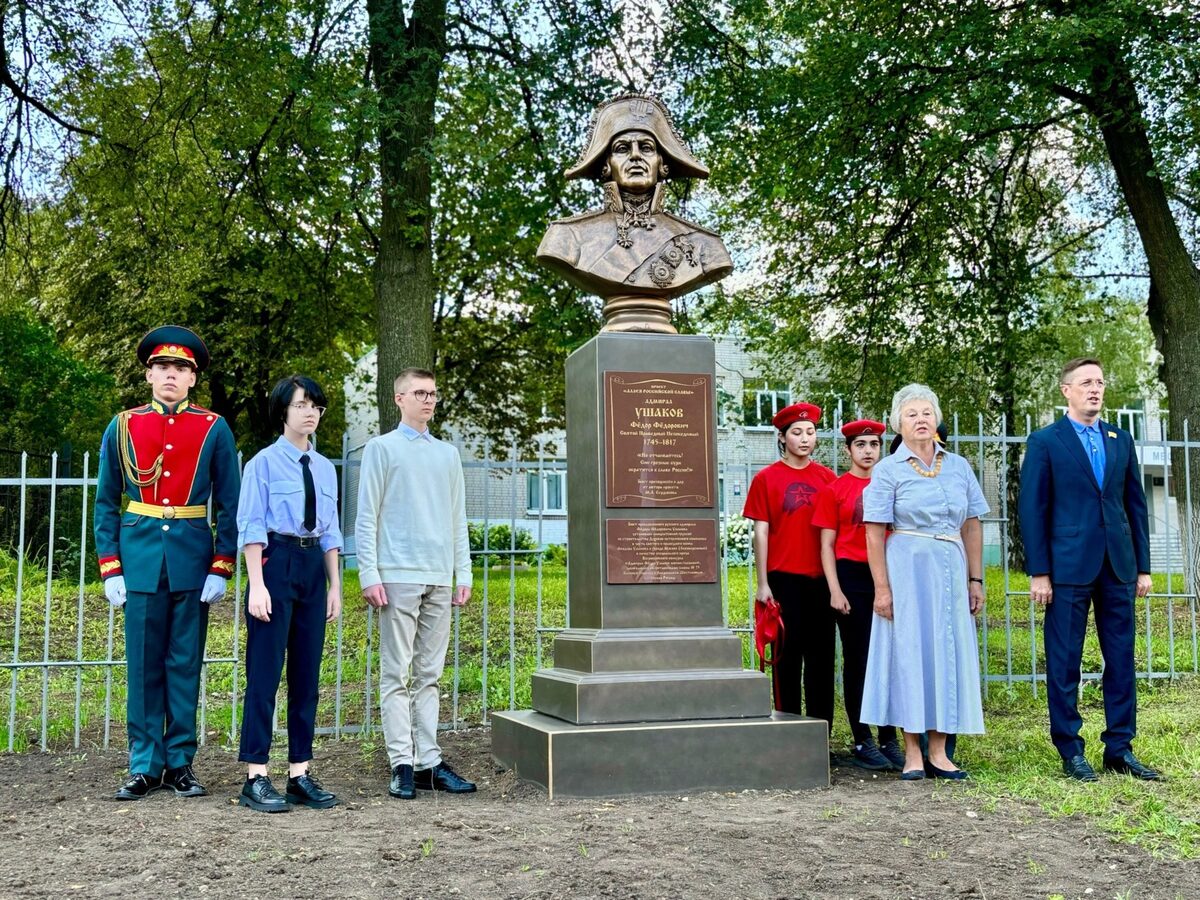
412, 434
272, 498
1092, 439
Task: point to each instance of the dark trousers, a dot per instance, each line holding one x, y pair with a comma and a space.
295, 578
1066, 624
855, 630
164, 647
806, 654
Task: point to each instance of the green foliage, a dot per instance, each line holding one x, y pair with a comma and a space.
500, 537
924, 190
229, 210
555, 555
48, 396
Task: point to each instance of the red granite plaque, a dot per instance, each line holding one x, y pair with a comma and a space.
658, 439
661, 551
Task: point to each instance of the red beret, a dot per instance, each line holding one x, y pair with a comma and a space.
797, 412
861, 427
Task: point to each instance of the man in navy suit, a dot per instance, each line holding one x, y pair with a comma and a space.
1086, 534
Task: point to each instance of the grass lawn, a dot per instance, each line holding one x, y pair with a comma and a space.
507, 632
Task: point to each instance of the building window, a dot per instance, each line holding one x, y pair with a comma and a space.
546, 491
1133, 421
762, 399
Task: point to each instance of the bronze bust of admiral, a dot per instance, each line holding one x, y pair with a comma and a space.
632, 252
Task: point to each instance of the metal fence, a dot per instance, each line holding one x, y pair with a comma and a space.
62, 645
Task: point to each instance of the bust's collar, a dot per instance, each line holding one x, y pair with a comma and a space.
613, 202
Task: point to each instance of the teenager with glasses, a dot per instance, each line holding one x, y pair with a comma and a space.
288, 530
414, 565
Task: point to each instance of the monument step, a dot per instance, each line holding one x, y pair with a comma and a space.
647, 649
782, 751
588, 698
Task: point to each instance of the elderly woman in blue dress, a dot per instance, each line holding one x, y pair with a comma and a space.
923, 662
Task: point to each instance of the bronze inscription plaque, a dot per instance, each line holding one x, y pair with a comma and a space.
658, 439
656, 551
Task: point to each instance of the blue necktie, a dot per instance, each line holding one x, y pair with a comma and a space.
1097, 464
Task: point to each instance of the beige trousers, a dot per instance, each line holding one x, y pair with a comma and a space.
414, 630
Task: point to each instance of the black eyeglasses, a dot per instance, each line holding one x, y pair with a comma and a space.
423, 396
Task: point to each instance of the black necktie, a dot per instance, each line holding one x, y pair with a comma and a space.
310, 496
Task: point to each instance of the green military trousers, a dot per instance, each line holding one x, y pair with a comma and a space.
164, 646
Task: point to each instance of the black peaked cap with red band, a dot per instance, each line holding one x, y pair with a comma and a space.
173, 342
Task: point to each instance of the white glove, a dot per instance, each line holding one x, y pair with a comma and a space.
114, 590
214, 589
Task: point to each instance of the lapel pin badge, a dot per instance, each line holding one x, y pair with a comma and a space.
1112, 434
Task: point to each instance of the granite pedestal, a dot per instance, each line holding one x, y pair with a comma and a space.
648, 693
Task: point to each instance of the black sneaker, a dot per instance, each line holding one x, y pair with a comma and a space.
895, 754
258, 793
442, 778
184, 782
868, 756
138, 786
401, 786
307, 791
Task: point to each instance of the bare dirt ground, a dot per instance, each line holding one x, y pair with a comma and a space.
862, 838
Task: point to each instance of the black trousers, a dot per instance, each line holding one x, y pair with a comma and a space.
806, 654
295, 578
855, 629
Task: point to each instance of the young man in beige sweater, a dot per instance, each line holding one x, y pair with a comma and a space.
414, 564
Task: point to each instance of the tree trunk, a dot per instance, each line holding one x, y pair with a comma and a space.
406, 62
1174, 300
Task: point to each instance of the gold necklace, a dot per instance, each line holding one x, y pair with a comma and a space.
927, 473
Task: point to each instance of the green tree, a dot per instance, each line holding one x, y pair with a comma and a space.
232, 211
943, 166
48, 398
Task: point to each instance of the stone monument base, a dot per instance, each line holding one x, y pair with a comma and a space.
781, 751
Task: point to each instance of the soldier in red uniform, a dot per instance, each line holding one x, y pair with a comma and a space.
159, 557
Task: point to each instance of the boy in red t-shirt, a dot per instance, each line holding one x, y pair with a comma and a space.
839, 516
787, 557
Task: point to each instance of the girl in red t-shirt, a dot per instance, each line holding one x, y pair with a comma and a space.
839, 516
787, 555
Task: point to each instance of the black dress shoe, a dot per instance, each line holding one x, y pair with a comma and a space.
950, 774
183, 781
442, 778
307, 791
402, 783
913, 775
138, 786
1127, 764
1079, 768
258, 793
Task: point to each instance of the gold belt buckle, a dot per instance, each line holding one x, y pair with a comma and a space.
168, 512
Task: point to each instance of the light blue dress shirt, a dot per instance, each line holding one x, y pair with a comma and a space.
272, 498
412, 434
1092, 439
